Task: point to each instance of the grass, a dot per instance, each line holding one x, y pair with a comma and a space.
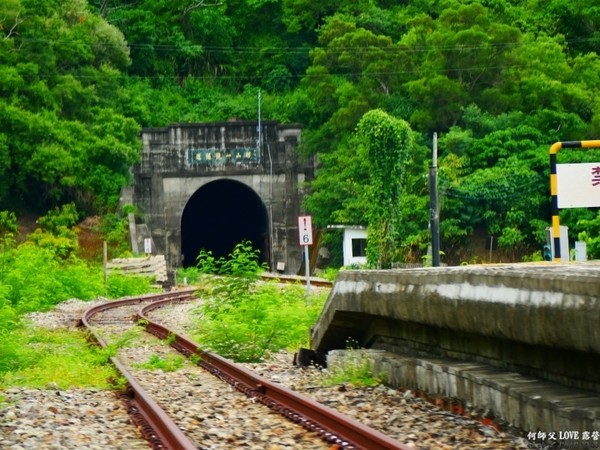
354, 368
57, 359
249, 324
170, 363
38, 270
122, 340
247, 318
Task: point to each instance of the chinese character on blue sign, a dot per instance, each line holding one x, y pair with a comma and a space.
219, 156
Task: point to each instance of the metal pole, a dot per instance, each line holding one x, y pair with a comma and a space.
105, 265
434, 207
259, 131
307, 270
259, 146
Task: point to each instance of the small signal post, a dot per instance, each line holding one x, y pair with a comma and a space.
306, 239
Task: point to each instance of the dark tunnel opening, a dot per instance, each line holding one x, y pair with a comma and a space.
220, 215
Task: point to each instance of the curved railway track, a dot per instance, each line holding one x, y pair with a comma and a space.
108, 321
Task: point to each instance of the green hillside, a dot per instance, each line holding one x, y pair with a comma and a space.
499, 81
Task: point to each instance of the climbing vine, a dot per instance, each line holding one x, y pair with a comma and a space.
388, 141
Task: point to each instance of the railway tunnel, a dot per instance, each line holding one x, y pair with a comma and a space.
209, 185
220, 215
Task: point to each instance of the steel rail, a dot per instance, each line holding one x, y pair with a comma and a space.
318, 282
331, 425
155, 425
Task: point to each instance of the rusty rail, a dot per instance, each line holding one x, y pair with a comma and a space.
329, 424
319, 282
339, 430
154, 423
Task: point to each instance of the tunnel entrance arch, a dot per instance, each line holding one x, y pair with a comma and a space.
177, 164
220, 215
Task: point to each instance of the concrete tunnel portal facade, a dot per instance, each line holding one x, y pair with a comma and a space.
220, 215
212, 185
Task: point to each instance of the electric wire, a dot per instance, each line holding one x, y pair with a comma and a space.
392, 48
305, 51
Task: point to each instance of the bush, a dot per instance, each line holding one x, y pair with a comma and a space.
36, 279
119, 285
267, 319
245, 319
57, 231
114, 228
235, 277
330, 273
590, 234
9, 322
39, 279
354, 368
191, 275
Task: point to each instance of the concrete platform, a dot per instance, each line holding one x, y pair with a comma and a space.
520, 339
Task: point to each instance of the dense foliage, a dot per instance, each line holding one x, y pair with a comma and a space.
65, 133
498, 80
36, 278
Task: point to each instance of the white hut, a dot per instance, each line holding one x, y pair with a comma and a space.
354, 245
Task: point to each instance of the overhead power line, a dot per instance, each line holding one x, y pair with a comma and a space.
393, 48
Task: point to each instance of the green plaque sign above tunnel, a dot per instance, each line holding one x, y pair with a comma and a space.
218, 156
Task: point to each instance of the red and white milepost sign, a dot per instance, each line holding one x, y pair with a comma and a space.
305, 230
306, 239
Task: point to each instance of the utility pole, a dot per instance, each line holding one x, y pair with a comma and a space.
259, 130
434, 207
259, 146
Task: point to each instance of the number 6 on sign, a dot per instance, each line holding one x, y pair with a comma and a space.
305, 230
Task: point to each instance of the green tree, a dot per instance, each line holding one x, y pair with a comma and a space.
173, 39
590, 233
499, 81
68, 142
389, 141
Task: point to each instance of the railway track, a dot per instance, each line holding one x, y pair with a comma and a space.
316, 282
191, 421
